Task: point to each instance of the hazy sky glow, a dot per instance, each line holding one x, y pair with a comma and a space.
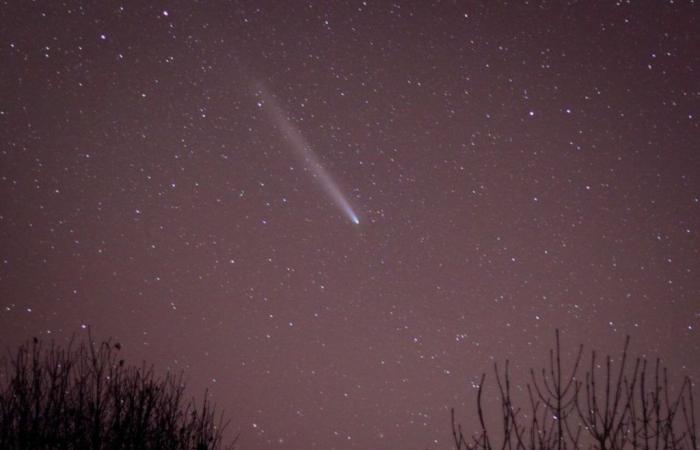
514, 168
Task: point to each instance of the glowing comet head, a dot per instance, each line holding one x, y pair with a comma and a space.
355, 220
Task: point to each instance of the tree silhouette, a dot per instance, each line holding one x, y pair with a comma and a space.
632, 407
85, 396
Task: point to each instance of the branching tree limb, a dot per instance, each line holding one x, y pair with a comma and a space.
629, 408
84, 396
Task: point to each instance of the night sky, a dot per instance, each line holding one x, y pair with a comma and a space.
182, 177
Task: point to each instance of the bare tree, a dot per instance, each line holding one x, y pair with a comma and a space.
630, 409
85, 396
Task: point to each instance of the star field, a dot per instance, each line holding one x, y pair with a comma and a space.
516, 167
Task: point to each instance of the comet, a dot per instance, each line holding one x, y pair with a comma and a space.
304, 152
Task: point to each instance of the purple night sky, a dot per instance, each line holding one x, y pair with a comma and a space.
179, 176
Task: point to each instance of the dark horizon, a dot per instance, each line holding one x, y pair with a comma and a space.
422, 190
